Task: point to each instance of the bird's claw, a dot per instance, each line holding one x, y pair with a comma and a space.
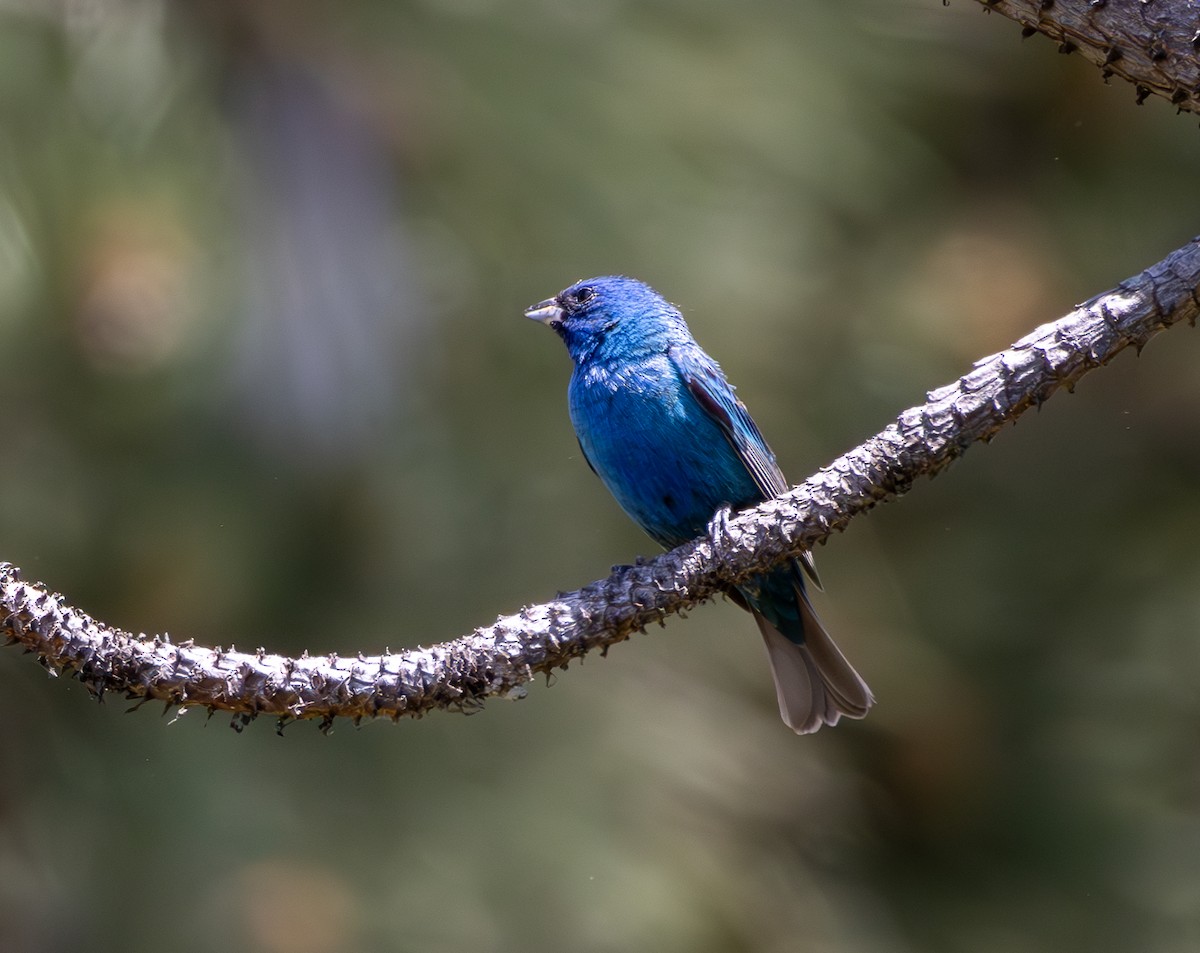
718, 526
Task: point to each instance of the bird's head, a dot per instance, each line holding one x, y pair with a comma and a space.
610, 314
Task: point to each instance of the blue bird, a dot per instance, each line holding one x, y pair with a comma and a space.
660, 425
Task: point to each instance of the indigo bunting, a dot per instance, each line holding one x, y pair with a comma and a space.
660, 425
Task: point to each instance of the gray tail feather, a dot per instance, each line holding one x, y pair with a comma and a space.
813, 681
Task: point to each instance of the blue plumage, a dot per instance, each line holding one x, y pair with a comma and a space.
661, 427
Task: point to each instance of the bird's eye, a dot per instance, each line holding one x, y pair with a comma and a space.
583, 295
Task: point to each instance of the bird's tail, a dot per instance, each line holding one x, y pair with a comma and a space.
813, 681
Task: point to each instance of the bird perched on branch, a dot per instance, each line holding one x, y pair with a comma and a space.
658, 423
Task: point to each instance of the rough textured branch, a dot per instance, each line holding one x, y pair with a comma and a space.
500, 659
1155, 44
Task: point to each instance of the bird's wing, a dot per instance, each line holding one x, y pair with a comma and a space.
714, 394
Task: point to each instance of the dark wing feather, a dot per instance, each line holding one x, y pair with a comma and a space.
715, 395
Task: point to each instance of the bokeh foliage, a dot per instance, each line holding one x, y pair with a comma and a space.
265, 381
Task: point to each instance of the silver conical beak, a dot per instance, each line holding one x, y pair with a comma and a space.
549, 312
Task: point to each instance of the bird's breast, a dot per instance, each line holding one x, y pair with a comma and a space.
661, 456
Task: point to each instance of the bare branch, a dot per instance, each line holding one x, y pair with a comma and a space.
1154, 45
501, 658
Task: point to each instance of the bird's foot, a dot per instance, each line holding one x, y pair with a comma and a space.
718, 526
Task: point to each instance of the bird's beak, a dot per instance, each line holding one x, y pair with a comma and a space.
549, 312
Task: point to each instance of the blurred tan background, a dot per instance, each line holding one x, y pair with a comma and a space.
265, 381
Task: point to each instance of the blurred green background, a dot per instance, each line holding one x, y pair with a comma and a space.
266, 382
